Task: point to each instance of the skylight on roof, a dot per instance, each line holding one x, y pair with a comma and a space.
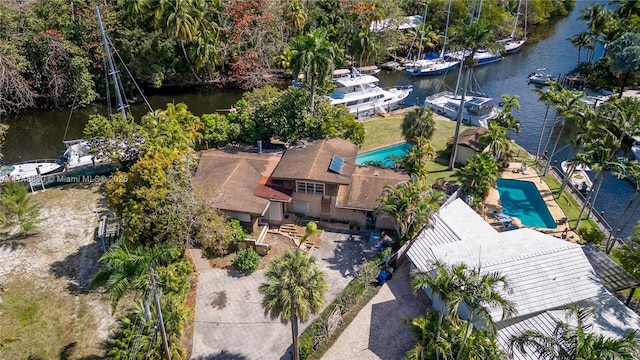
336, 164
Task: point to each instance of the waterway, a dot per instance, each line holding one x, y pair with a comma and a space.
37, 134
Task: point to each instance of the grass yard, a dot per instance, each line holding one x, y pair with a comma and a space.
382, 132
568, 204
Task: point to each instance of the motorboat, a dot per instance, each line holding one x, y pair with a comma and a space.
540, 77
29, 170
579, 177
361, 94
635, 149
477, 109
369, 70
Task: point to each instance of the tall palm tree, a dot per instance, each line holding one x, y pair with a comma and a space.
415, 161
567, 104
596, 17
410, 204
124, 270
632, 174
471, 37
482, 290
442, 283
434, 337
505, 115
581, 40
575, 341
546, 97
418, 122
626, 8
294, 290
314, 56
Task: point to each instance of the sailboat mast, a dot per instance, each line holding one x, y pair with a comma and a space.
446, 31
112, 71
515, 24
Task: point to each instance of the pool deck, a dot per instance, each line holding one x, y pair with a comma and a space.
492, 202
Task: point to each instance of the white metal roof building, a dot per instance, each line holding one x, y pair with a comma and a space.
546, 274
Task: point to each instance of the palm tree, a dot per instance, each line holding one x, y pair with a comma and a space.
410, 204
505, 115
480, 291
182, 20
596, 17
629, 254
418, 122
471, 37
632, 174
626, 8
415, 161
478, 175
434, 337
442, 283
124, 270
547, 98
581, 40
314, 56
295, 13
575, 341
567, 103
294, 290
496, 139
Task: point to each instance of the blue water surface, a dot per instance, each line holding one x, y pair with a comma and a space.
383, 154
522, 199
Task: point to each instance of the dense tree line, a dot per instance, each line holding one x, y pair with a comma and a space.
51, 53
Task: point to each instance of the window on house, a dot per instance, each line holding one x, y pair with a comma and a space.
308, 187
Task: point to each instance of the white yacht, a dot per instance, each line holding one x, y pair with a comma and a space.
361, 94
477, 110
78, 155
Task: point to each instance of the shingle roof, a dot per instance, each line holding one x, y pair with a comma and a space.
469, 137
367, 183
227, 178
311, 161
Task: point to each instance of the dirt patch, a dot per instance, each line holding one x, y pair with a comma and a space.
278, 244
46, 276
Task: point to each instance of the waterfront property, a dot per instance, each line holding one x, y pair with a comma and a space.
314, 178
522, 200
383, 155
546, 274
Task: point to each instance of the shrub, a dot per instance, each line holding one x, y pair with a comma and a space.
591, 235
237, 231
246, 261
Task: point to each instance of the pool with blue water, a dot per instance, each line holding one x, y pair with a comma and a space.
382, 155
522, 199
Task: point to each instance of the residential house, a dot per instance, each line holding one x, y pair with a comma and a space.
314, 178
546, 274
235, 180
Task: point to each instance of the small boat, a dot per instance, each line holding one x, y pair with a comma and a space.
392, 65
361, 94
540, 77
369, 70
477, 109
511, 44
635, 149
481, 57
29, 170
579, 178
427, 67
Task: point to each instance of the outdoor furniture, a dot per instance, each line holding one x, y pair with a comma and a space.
501, 217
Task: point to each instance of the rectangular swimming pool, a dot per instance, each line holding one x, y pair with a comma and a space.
522, 199
382, 155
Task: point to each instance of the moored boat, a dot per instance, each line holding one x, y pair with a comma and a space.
540, 77
477, 110
29, 171
361, 94
579, 178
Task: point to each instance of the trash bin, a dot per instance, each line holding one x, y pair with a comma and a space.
382, 277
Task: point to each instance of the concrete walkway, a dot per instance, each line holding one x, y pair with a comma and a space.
378, 331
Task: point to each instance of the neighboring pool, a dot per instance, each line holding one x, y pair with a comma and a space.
382, 155
522, 199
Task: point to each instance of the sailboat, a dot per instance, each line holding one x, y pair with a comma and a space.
435, 65
511, 44
79, 157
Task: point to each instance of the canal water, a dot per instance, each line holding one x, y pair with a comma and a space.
36, 134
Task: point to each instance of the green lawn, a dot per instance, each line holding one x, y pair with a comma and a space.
381, 132
568, 204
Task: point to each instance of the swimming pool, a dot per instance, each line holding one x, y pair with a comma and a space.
522, 199
382, 155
